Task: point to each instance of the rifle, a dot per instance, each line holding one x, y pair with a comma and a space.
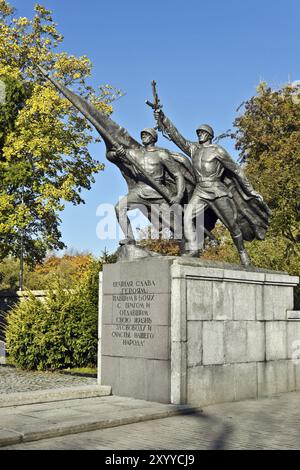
156, 101
156, 106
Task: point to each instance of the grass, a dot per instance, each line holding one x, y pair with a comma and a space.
82, 370
92, 371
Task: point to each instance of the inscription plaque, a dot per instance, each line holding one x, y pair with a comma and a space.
135, 337
133, 320
137, 323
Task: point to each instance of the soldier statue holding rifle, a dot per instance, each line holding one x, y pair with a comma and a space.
156, 162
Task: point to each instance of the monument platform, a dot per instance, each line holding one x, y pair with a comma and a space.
189, 331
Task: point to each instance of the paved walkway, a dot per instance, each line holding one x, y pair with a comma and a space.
13, 380
26, 423
272, 423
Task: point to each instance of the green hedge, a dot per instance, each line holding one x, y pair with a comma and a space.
59, 332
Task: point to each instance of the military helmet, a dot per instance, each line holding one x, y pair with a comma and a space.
207, 128
150, 131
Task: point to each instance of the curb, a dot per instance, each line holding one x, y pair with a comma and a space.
78, 374
75, 428
55, 394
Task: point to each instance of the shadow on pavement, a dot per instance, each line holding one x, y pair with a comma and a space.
226, 429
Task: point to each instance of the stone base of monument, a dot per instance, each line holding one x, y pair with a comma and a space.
186, 331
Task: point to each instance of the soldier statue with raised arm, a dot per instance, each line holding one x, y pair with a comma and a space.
220, 186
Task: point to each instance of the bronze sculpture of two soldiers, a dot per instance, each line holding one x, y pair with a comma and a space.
211, 185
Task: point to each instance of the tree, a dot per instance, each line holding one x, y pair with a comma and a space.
44, 155
268, 138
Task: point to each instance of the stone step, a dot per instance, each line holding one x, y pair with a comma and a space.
46, 420
55, 394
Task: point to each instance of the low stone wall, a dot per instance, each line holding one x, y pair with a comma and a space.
8, 299
206, 332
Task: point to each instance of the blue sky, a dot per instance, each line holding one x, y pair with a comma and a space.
207, 57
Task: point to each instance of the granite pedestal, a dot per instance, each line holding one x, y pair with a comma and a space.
187, 331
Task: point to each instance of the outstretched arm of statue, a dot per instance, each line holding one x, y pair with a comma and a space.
230, 165
168, 127
174, 170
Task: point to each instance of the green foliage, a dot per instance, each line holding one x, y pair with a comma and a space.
44, 141
15, 95
268, 136
9, 274
59, 332
268, 254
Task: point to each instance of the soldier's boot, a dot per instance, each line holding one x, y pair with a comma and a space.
124, 222
191, 253
245, 258
188, 248
239, 243
127, 241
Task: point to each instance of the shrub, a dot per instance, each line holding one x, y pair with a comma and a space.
59, 332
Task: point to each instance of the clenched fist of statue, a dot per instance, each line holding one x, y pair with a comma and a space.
157, 114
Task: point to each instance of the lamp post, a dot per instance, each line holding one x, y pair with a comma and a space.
21, 262
21, 251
